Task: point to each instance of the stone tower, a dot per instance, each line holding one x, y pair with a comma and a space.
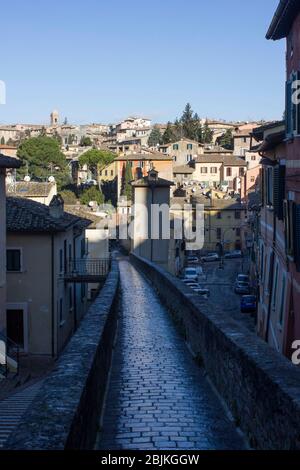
54, 118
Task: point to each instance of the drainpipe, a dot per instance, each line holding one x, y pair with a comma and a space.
52, 297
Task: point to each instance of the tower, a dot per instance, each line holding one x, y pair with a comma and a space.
54, 118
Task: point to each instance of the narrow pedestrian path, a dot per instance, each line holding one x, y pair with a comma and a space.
158, 398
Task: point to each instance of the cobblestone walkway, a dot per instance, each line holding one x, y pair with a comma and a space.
158, 398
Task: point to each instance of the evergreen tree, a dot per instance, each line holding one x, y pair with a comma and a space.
155, 137
127, 179
226, 140
207, 135
96, 159
169, 134
2, 140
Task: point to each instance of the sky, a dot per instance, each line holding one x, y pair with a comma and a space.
100, 61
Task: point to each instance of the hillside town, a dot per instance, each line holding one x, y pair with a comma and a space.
71, 218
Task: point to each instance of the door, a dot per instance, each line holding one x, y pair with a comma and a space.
15, 326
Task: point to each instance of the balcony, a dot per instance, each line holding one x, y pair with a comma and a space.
87, 270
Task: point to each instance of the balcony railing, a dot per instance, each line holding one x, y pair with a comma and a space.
9, 356
87, 270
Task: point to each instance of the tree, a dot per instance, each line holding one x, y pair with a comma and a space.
155, 137
126, 183
208, 134
96, 159
92, 194
68, 196
85, 141
226, 140
2, 140
71, 139
169, 134
41, 158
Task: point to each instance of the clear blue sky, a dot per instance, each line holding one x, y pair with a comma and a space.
99, 60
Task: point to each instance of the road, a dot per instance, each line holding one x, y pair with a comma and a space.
221, 285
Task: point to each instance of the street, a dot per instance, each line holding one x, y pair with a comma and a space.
221, 285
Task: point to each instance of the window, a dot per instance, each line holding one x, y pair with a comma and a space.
238, 232
214, 170
282, 302
219, 233
219, 215
292, 112
70, 298
204, 169
83, 291
189, 146
189, 158
252, 179
13, 260
279, 190
60, 261
274, 293
61, 311
105, 172
253, 158
241, 172
237, 214
228, 172
82, 248
175, 147
111, 172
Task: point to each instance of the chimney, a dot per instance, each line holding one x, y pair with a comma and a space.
56, 207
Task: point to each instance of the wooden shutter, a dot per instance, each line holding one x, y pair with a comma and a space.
297, 235
298, 109
288, 113
279, 190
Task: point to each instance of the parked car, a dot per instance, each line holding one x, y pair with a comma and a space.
242, 278
210, 257
198, 289
192, 260
234, 254
248, 304
190, 274
242, 288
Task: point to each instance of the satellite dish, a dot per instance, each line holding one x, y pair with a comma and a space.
91, 203
51, 179
27, 179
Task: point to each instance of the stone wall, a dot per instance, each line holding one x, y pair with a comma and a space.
260, 387
66, 412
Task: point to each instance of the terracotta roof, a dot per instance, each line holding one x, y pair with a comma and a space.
30, 189
24, 215
9, 162
144, 157
183, 169
84, 212
227, 160
144, 182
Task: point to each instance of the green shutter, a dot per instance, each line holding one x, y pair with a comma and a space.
297, 236
288, 108
278, 190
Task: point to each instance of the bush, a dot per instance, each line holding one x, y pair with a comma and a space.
92, 194
68, 196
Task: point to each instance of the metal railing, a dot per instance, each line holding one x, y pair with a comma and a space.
9, 356
87, 268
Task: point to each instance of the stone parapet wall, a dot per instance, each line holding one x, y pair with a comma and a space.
260, 387
66, 412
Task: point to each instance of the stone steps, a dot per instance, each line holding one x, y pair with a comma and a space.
13, 408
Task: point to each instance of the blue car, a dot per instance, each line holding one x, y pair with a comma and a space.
248, 304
